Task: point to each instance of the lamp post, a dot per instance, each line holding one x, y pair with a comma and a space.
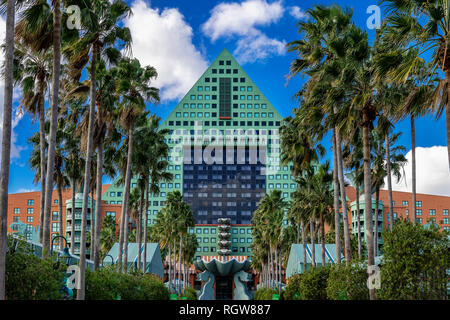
67, 255
112, 259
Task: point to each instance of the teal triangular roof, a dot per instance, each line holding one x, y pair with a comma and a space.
296, 261
199, 100
154, 260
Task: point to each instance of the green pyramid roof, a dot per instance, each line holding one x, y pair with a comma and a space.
202, 101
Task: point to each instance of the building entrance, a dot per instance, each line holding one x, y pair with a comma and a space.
224, 288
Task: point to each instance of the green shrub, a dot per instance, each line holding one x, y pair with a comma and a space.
313, 284
108, 284
102, 284
31, 278
415, 260
348, 282
292, 291
190, 293
265, 294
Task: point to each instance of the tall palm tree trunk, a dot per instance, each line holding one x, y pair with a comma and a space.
125, 242
267, 266
98, 208
358, 222
126, 196
169, 272
144, 266
278, 260
389, 179
6, 142
305, 261
375, 237
322, 238
42, 142
367, 197
272, 268
174, 264
179, 263
87, 174
413, 163
91, 247
53, 125
139, 228
60, 208
313, 244
337, 224
276, 268
347, 245
72, 229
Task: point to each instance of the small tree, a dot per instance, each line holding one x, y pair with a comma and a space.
348, 282
415, 261
292, 291
313, 284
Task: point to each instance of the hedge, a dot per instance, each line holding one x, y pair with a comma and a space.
265, 294
348, 282
28, 277
108, 284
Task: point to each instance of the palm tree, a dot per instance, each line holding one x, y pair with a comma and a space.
32, 73
107, 235
353, 160
299, 210
329, 39
134, 88
270, 212
56, 68
150, 157
299, 146
396, 163
6, 141
75, 163
59, 178
171, 222
428, 34
183, 221
101, 33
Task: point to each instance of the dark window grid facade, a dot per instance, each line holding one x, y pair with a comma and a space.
225, 98
224, 185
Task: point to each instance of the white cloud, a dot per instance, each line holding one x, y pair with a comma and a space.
258, 47
163, 39
241, 20
297, 12
25, 190
15, 150
229, 19
432, 174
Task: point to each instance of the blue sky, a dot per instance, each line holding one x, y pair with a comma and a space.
180, 38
